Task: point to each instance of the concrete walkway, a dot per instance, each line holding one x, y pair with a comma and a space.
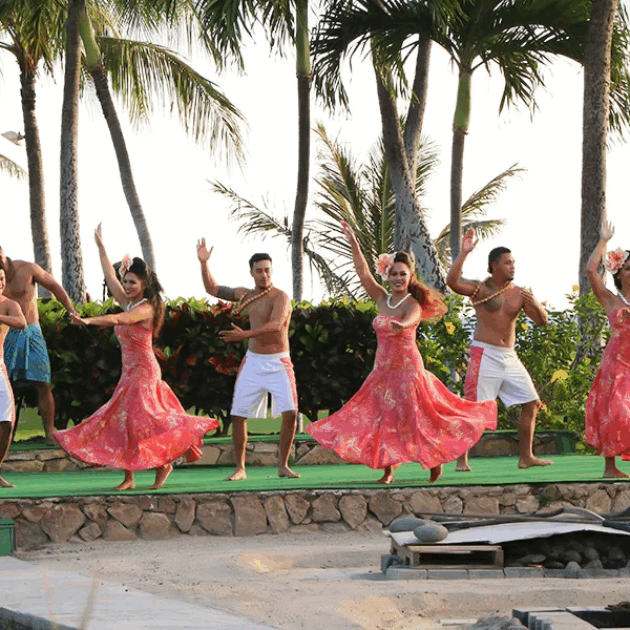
39, 599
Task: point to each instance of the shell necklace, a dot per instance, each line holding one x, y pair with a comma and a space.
129, 307
241, 305
395, 306
487, 299
621, 295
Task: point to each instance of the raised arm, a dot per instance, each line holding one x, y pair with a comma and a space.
373, 288
48, 282
141, 313
209, 283
605, 297
454, 277
113, 283
11, 315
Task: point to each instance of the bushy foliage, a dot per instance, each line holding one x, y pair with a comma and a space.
332, 345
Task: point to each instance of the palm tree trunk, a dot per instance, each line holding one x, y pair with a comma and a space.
411, 232
595, 129
461, 122
304, 79
71, 258
39, 230
96, 69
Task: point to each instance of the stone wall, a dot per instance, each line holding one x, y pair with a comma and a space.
40, 522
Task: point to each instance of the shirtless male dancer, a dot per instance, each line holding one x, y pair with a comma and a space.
494, 368
25, 351
267, 366
10, 317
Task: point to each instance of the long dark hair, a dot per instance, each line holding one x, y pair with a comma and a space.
152, 291
430, 300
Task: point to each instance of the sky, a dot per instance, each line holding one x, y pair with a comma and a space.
173, 175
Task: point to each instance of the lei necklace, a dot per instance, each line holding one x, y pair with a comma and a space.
132, 306
487, 299
241, 305
395, 306
623, 298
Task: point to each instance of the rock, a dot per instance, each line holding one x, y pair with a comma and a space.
215, 517
312, 528
507, 498
166, 505
571, 556
297, 507
58, 453
353, 508
9, 510
334, 528
185, 514
422, 502
26, 466
126, 513
594, 564
553, 564
599, 501
96, 513
621, 502
384, 507
90, 532
325, 509
527, 505
57, 465
370, 526
453, 505
115, 531
62, 521
277, 514
407, 524
155, 526
533, 558
482, 505
197, 530
572, 569
616, 558
29, 535
250, 517
32, 513
590, 553
430, 532
210, 456
320, 455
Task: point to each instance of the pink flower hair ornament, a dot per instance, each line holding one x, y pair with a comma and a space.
615, 260
125, 263
384, 264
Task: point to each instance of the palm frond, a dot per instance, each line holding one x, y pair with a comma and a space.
12, 169
146, 76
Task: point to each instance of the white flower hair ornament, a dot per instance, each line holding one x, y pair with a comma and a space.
384, 264
125, 263
615, 260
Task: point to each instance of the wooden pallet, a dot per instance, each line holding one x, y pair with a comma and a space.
449, 556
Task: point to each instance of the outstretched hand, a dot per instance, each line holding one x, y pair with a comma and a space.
236, 334
75, 320
469, 241
606, 231
203, 254
348, 232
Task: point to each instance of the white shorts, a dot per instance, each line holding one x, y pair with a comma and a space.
495, 371
7, 406
260, 375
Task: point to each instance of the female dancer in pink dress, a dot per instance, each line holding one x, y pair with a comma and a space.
402, 413
608, 403
143, 425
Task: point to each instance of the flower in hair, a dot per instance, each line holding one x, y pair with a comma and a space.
384, 264
125, 263
615, 259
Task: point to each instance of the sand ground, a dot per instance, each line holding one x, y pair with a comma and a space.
328, 581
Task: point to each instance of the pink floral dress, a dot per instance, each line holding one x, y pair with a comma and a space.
608, 402
403, 413
143, 425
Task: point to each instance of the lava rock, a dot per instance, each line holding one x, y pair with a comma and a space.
430, 533
407, 524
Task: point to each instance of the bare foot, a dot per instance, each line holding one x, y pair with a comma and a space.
5, 484
614, 473
237, 475
161, 475
127, 484
533, 461
388, 477
285, 471
463, 468
436, 473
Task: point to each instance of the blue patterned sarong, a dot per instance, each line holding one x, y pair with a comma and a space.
26, 355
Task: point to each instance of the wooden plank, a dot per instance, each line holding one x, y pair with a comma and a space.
449, 556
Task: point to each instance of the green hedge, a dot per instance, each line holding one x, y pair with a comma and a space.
332, 346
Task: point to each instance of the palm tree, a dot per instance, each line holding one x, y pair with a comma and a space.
10, 168
225, 21
362, 195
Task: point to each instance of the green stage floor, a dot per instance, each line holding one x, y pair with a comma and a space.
197, 479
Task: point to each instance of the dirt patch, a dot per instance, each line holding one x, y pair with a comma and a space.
287, 581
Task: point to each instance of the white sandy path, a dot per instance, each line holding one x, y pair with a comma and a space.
328, 581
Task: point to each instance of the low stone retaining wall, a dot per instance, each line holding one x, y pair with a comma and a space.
40, 522
305, 452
